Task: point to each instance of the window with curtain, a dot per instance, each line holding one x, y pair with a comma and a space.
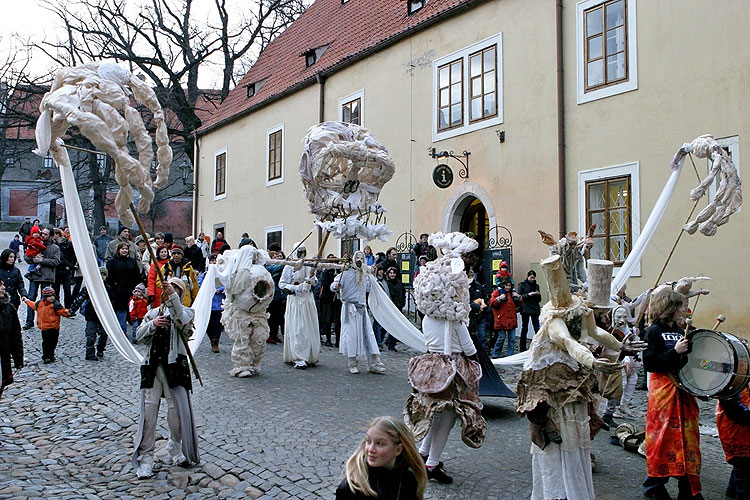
608, 209
350, 111
450, 95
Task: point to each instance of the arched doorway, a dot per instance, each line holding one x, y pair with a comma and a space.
474, 220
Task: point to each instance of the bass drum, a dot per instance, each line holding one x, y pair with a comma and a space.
718, 365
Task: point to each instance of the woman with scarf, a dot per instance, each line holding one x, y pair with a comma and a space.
154, 285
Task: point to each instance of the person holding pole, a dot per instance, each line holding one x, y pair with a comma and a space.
165, 372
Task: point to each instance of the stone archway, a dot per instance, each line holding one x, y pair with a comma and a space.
460, 200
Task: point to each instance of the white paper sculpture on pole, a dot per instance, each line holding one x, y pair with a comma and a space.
728, 197
343, 169
95, 98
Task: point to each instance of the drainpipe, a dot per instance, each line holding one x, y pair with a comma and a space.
561, 201
196, 162
321, 79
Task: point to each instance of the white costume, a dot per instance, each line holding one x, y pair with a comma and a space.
301, 331
357, 336
245, 318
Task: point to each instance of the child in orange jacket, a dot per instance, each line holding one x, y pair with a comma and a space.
48, 320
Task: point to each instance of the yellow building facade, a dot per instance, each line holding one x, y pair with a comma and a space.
662, 74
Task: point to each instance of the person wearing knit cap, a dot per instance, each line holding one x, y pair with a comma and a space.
179, 267
169, 240
48, 312
165, 372
123, 234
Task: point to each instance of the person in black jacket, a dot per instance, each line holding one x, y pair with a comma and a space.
96, 337
11, 341
11, 276
398, 297
528, 289
194, 254
671, 450
123, 274
329, 310
385, 466
64, 271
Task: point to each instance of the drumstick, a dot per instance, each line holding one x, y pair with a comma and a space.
719, 320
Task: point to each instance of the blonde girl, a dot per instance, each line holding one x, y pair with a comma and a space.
386, 465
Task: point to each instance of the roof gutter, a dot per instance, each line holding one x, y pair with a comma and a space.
344, 63
561, 199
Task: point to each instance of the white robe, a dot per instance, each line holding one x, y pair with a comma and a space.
357, 336
301, 332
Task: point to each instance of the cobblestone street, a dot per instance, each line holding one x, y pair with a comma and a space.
66, 431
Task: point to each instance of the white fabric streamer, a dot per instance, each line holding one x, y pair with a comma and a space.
516, 359
87, 261
202, 307
390, 318
647, 233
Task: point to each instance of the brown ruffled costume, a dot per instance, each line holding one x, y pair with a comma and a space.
445, 383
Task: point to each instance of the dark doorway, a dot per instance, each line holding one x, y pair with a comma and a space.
474, 220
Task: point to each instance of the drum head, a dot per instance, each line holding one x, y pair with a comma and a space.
710, 365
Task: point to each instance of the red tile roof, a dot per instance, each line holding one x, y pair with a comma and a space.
21, 110
351, 30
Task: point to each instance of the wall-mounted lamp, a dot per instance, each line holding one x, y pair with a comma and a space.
500, 135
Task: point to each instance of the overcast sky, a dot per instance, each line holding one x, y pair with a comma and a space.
28, 19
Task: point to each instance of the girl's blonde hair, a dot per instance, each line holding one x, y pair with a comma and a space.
356, 467
664, 304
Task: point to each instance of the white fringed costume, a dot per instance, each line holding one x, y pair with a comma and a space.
446, 380
246, 320
357, 336
301, 332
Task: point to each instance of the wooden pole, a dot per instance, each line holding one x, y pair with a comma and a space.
190, 356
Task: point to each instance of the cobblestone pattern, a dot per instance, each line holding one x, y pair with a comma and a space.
66, 432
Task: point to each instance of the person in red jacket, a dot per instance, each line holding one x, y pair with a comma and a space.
48, 312
733, 423
503, 302
154, 285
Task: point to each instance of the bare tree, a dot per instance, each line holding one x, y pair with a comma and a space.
164, 40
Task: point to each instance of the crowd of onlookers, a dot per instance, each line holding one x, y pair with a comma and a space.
128, 266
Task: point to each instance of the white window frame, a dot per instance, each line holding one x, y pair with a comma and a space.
632, 169
360, 94
338, 246
733, 145
273, 229
463, 54
226, 163
270, 131
627, 85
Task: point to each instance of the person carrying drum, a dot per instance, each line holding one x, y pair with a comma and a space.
672, 436
733, 422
